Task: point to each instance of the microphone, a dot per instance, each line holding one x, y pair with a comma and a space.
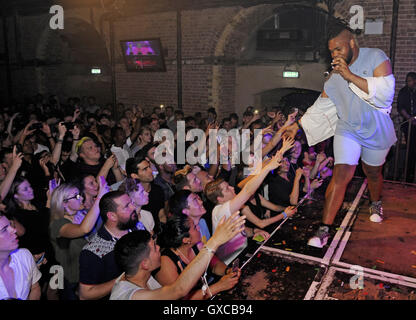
329, 70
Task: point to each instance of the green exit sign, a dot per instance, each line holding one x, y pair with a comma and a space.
95, 71
290, 74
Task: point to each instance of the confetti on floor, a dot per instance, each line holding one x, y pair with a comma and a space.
287, 269
380, 261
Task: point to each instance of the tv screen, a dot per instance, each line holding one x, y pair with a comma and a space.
143, 55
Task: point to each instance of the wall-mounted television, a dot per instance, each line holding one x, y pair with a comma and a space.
143, 55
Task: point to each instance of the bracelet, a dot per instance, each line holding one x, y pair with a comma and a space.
60, 140
284, 214
209, 249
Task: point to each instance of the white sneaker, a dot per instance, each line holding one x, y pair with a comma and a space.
376, 212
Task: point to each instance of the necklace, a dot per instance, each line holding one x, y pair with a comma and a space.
186, 260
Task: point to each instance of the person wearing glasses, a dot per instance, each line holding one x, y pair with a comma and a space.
69, 229
98, 269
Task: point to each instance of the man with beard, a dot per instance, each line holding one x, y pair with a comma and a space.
98, 269
355, 107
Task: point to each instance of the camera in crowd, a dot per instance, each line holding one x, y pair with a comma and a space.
69, 125
36, 126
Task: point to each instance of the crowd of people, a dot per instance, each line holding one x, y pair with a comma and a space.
85, 192
84, 189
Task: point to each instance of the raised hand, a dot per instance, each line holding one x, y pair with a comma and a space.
340, 66
291, 118
288, 143
290, 211
75, 132
26, 131
316, 183
62, 130
229, 281
103, 187
17, 159
299, 173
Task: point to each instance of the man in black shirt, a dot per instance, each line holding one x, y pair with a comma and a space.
406, 105
139, 168
98, 269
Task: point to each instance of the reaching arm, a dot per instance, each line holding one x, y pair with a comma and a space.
56, 154
34, 292
95, 291
294, 196
270, 205
187, 279
71, 230
11, 174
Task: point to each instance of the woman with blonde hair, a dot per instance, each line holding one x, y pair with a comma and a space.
68, 230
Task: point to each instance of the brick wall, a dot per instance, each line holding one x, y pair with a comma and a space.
212, 39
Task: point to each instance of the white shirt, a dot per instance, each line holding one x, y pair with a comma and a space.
124, 290
122, 154
230, 250
26, 274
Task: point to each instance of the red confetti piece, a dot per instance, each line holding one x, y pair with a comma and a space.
287, 269
284, 242
381, 286
258, 255
365, 293
380, 261
274, 270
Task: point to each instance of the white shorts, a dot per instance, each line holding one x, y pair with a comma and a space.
348, 151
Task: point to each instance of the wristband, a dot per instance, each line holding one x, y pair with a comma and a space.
60, 140
284, 214
209, 249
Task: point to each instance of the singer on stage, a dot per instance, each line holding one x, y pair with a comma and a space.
354, 107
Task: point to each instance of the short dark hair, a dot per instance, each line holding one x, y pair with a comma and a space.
335, 27
248, 114
176, 228
179, 201
212, 110
131, 249
411, 75
132, 163
107, 203
233, 116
